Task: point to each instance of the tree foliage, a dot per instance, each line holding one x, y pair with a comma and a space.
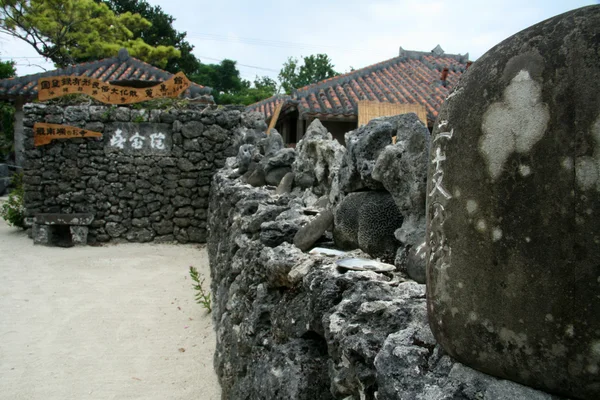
229, 87
314, 68
7, 114
161, 33
70, 31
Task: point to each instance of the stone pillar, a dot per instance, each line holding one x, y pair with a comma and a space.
513, 208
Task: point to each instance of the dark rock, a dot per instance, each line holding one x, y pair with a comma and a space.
308, 235
114, 229
274, 233
163, 228
512, 255
192, 129
254, 120
402, 167
275, 175
140, 235
364, 145
368, 220
76, 113
286, 183
197, 235
256, 178
282, 158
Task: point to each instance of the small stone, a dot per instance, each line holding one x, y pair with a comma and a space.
308, 235
286, 183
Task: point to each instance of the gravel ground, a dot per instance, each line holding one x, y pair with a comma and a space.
110, 322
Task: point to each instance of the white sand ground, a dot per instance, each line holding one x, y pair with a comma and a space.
111, 322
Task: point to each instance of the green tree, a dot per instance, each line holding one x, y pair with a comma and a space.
314, 68
229, 87
262, 88
7, 69
7, 113
67, 31
161, 33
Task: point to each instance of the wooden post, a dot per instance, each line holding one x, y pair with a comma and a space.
275, 117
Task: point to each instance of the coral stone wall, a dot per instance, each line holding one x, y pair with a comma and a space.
147, 178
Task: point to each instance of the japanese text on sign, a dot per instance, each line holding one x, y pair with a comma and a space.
56, 86
136, 141
44, 133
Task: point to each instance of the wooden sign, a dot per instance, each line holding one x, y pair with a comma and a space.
57, 86
44, 133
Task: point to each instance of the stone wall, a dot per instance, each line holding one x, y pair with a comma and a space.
147, 178
294, 324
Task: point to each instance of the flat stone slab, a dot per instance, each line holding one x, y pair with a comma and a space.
64, 219
364, 264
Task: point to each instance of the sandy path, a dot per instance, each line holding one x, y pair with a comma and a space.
102, 322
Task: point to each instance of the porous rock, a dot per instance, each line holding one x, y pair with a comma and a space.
291, 325
318, 160
285, 186
513, 210
363, 147
368, 220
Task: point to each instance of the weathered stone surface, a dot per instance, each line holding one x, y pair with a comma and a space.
513, 205
282, 158
290, 325
76, 113
64, 219
364, 145
272, 143
41, 234
141, 185
285, 186
245, 157
318, 161
192, 129
254, 120
274, 176
79, 234
256, 178
308, 235
402, 167
368, 220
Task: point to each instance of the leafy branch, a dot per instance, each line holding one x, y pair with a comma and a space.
202, 297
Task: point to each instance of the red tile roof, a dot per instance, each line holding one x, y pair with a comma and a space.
268, 106
120, 68
413, 77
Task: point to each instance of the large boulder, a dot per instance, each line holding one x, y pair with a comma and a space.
513, 210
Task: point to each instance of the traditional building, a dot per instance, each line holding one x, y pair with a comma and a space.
412, 82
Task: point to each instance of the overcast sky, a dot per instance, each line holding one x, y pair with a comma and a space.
261, 35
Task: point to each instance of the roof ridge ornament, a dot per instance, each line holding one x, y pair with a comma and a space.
123, 54
438, 51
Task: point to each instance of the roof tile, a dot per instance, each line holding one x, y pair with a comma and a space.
122, 67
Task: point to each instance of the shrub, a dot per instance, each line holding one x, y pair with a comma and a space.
13, 211
202, 297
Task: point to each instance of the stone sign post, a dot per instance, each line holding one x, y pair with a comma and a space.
513, 208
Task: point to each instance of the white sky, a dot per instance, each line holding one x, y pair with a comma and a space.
261, 35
